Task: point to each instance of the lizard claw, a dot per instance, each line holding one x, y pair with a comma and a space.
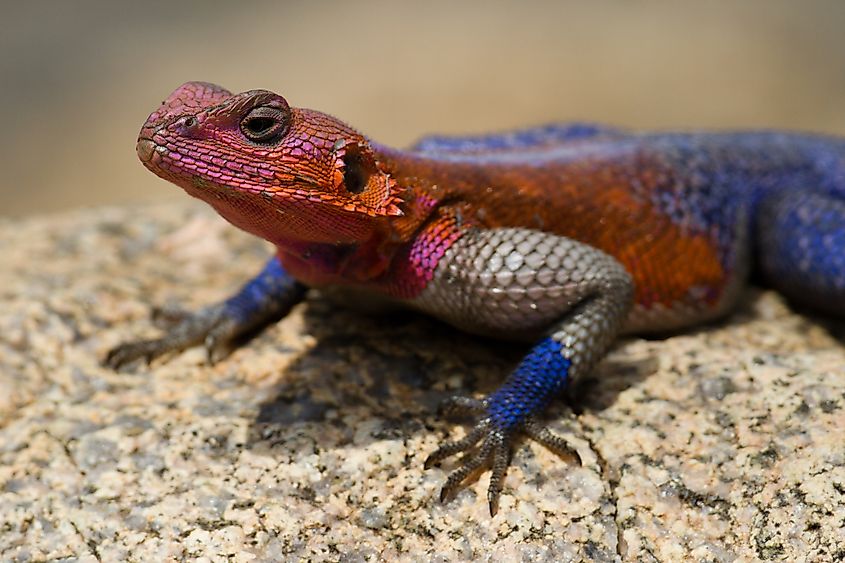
210, 326
127, 352
494, 450
218, 341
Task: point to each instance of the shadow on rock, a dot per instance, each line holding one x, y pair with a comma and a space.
396, 369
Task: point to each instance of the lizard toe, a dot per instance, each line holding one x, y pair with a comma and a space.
189, 331
461, 405
542, 435
168, 316
128, 352
469, 463
219, 342
494, 452
490, 445
449, 449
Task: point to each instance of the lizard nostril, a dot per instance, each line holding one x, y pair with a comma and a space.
187, 125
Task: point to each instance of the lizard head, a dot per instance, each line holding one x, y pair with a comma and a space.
282, 173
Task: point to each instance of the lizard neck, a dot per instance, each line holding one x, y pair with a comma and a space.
424, 185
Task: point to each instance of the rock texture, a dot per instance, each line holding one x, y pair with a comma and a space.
722, 444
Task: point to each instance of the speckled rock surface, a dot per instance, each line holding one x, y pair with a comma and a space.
721, 444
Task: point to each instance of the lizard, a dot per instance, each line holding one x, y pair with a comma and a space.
563, 236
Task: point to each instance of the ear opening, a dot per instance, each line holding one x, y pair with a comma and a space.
354, 166
356, 173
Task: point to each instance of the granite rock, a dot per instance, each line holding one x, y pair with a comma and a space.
724, 443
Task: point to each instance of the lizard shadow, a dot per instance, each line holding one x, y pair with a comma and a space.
382, 377
398, 368
395, 367
834, 327
600, 390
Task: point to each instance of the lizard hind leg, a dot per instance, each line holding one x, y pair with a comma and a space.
580, 294
801, 238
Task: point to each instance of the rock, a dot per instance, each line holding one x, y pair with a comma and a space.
719, 444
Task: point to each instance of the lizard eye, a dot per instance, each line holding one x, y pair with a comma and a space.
264, 124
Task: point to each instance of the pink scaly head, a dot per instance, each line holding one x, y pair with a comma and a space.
296, 177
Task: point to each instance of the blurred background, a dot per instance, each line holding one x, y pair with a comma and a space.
77, 79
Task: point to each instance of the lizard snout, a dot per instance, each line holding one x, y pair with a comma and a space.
145, 149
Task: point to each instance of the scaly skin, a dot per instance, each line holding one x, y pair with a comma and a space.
564, 235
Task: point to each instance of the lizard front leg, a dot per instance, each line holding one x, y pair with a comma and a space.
513, 282
265, 299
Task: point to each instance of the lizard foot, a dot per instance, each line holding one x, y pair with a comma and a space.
265, 299
211, 326
494, 450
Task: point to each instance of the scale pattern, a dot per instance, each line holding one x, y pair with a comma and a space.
563, 235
